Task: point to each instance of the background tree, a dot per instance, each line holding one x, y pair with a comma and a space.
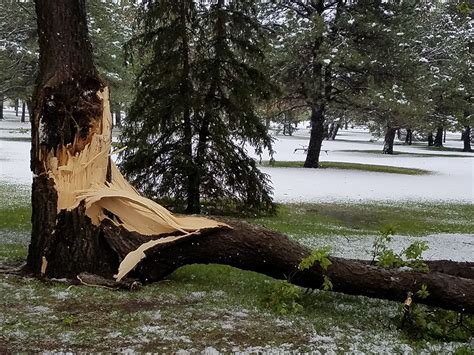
195, 113
18, 52
444, 43
111, 26
390, 93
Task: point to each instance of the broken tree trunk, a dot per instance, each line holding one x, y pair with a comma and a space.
87, 218
75, 184
255, 248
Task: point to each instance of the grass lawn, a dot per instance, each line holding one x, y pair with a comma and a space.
414, 154
350, 166
217, 307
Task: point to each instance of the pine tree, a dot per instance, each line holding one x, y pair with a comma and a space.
444, 45
394, 94
18, 50
194, 115
110, 25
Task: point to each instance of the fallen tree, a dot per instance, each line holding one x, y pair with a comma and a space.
87, 218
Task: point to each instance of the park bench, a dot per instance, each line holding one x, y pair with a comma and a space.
304, 149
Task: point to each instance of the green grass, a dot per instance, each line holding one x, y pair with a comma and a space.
16, 139
15, 218
411, 154
445, 149
212, 305
198, 306
351, 166
12, 253
416, 219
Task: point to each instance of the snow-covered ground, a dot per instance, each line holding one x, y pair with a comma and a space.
451, 179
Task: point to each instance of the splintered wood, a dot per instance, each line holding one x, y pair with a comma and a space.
83, 177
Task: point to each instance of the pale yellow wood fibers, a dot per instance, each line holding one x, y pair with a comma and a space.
82, 176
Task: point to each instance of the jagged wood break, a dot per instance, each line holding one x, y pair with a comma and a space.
87, 218
76, 185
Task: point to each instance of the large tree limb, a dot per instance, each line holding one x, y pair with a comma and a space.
87, 218
255, 248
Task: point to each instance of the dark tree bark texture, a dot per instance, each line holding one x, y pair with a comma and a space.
409, 136
335, 131
118, 117
23, 111
316, 137
438, 141
255, 248
388, 141
430, 140
65, 105
466, 137
1, 106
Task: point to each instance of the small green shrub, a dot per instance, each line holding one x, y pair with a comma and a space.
387, 258
283, 298
437, 324
320, 256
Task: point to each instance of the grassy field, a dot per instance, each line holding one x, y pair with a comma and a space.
350, 166
213, 307
415, 154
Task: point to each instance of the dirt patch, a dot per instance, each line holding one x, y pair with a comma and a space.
139, 306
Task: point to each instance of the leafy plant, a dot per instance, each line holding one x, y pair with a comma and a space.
327, 284
69, 320
388, 258
321, 256
283, 298
411, 256
427, 323
380, 243
423, 292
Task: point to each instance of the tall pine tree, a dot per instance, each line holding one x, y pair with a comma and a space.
194, 115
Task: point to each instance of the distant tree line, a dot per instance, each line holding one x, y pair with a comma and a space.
202, 82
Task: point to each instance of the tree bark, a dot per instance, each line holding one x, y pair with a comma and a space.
430, 140
389, 138
409, 137
316, 137
466, 137
193, 205
255, 248
438, 141
330, 131
118, 117
17, 104
65, 114
335, 131
1, 106
29, 106
23, 111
